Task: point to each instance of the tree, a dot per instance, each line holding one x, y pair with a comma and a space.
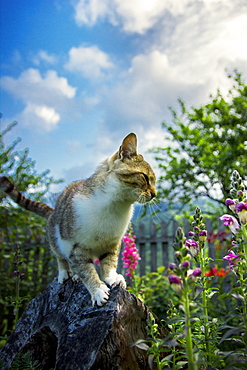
60, 329
22, 234
204, 146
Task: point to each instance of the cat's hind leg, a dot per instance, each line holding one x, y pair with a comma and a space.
108, 264
64, 272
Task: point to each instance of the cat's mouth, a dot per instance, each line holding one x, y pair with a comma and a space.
145, 198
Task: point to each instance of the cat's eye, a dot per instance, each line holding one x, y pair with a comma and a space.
146, 178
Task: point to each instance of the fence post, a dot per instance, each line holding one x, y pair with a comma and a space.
142, 248
164, 237
153, 247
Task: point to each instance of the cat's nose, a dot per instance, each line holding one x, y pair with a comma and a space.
153, 194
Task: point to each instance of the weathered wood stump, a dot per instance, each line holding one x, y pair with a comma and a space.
61, 330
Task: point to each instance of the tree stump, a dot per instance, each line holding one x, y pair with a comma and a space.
61, 330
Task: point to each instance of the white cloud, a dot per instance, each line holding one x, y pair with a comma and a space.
43, 117
48, 114
44, 56
89, 11
43, 96
133, 16
141, 15
31, 85
207, 37
90, 61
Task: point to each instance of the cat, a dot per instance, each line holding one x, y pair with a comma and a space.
91, 217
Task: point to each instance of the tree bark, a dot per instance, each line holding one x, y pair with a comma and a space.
61, 330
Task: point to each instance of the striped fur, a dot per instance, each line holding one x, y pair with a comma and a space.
39, 208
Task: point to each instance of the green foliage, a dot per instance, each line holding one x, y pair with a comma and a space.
21, 169
207, 314
23, 230
151, 289
24, 361
203, 145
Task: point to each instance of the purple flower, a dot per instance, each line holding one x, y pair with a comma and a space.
185, 264
172, 266
197, 272
203, 235
231, 204
231, 222
174, 279
241, 209
190, 233
232, 258
193, 247
175, 283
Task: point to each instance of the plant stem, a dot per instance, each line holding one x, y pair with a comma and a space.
244, 231
243, 282
191, 361
205, 306
17, 298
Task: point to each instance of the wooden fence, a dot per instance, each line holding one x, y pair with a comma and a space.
155, 244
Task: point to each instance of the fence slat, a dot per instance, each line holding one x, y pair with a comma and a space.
153, 247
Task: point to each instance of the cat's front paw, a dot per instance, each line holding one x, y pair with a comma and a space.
76, 278
116, 279
101, 295
63, 276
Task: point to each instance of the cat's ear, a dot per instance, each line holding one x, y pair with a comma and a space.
128, 149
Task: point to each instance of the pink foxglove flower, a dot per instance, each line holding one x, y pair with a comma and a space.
130, 254
231, 222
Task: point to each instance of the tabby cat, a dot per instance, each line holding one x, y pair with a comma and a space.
91, 217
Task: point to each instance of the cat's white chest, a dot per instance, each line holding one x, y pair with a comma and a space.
100, 219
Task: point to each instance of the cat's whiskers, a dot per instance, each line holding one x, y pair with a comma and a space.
155, 209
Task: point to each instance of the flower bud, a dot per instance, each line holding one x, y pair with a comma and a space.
203, 235
231, 204
175, 283
174, 279
197, 272
185, 265
172, 266
178, 255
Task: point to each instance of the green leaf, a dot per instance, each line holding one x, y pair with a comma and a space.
141, 344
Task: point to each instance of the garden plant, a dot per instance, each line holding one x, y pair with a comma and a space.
26, 264
205, 305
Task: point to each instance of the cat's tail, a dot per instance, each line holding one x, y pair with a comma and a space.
39, 208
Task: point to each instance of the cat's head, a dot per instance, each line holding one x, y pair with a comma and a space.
134, 173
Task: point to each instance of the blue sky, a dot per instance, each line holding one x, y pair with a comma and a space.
80, 75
